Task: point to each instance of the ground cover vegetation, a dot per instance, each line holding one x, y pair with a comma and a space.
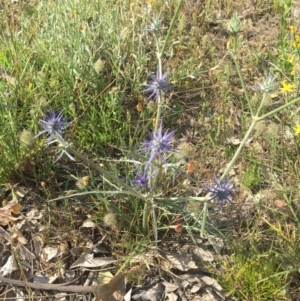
157, 141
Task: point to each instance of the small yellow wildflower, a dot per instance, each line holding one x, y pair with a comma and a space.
297, 130
296, 42
291, 59
292, 28
286, 87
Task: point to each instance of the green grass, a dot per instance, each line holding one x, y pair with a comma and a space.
254, 276
91, 59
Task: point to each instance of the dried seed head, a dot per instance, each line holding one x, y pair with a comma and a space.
184, 150
83, 182
26, 138
110, 220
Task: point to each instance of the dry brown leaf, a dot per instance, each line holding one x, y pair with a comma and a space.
9, 267
113, 291
211, 282
50, 252
88, 224
87, 260
182, 262
5, 234
204, 255
187, 280
152, 292
16, 208
26, 253
171, 296
170, 287
34, 214
5, 213
38, 243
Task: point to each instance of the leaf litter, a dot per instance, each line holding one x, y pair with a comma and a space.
181, 274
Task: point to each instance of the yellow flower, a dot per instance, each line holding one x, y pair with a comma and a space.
286, 87
291, 59
292, 28
296, 42
297, 130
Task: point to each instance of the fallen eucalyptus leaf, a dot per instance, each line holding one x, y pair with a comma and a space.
50, 252
147, 293
204, 255
9, 267
182, 262
87, 260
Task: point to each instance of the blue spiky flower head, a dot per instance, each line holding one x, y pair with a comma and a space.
222, 191
156, 24
159, 144
158, 84
141, 179
267, 85
54, 125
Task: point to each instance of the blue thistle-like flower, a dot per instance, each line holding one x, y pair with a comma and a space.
157, 85
142, 179
159, 144
222, 191
267, 85
156, 24
54, 125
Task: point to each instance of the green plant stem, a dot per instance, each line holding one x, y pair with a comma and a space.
171, 26
159, 75
149, 203
237, 65
109, 192
279, 109
154, 221
145, 216
262, 103
205, 211
237, 153
183, 198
